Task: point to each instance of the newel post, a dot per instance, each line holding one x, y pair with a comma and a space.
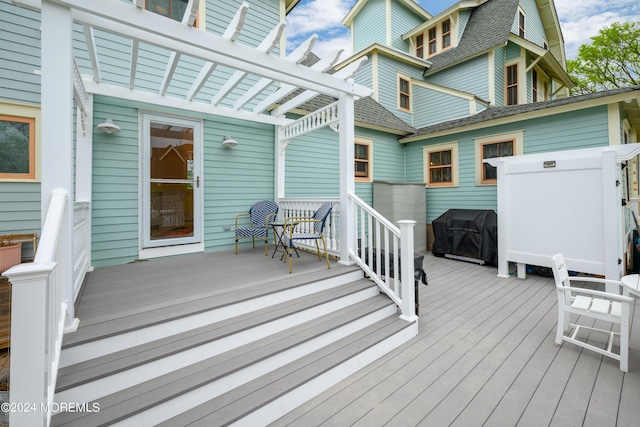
406, 271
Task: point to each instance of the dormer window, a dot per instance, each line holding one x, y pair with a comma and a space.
433, 41
446, 34
420, 45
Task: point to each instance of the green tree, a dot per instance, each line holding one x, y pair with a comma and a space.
612, 60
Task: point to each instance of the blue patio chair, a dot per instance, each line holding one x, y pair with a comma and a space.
314, 231
261, 215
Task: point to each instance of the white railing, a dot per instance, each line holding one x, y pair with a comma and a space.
378, 251
81, 241
37, 322
316, 120
306, 207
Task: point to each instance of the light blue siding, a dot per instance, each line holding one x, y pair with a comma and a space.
19, 54
312, 163
369, 26
580, 129
463, 20
233, 179
20, 212
388, 69
432, 106
512, 52
534, 29
499, 75
364, 75
472, 76
402, 21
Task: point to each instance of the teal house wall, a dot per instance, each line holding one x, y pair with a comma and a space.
471, 76
563, 131
367, 25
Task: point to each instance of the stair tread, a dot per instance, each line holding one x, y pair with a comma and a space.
130, 401
242, 400
93, 369
219, 298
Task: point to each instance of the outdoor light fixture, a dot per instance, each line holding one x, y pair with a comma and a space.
227, 141
108, 127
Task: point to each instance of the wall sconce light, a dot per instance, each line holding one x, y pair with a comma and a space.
108, 127
227, 141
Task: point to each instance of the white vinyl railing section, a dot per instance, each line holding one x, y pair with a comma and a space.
37, 322
377, 252
306, 207
81, 239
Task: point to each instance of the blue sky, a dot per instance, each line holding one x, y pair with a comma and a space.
579, 20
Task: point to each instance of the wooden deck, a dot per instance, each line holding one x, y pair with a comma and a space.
485, 356
485, 353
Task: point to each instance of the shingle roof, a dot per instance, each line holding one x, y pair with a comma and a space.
493, 113
489, 26
367, 111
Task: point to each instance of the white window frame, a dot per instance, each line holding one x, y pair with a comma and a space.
369, 143
455, 164
517, 136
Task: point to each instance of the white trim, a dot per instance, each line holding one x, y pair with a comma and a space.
400, 75
145, 242
374, 76
363, 140
517, 135
455, 164
149, 253
491, 76
613, 124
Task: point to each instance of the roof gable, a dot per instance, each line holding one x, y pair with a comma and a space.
411, 4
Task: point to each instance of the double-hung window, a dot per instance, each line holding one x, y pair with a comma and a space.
362, 156
512, 84
521, 23
404, 94
446, 34
420, 45
493, 150
493, 146
433, 41
440, 164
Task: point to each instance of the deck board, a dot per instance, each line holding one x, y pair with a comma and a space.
485, 356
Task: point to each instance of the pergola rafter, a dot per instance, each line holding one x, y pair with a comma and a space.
231, 99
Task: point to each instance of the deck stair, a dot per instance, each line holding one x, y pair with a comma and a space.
245, 357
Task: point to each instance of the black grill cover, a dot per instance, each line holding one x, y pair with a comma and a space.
467, 232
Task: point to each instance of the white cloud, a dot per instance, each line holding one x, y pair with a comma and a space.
323, 17
581, 21
317, 16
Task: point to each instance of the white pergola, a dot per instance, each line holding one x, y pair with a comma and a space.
272, 79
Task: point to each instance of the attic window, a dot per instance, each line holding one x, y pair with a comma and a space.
433, 41
420, 45
173, 9
446, 34
521, 23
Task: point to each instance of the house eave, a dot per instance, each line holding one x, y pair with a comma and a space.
552, 65
394, 53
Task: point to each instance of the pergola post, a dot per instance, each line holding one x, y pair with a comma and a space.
347, 175
57, 131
